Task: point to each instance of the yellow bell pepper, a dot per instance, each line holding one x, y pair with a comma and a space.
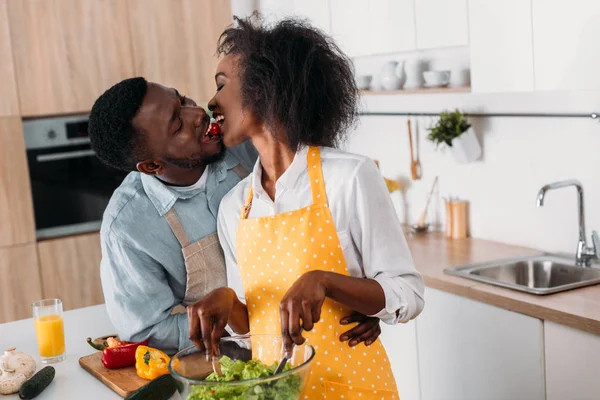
151, 363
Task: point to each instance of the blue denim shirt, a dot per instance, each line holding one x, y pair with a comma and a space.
142, 269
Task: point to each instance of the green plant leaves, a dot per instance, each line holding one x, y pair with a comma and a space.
450, 126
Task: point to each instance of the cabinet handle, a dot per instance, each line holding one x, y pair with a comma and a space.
65, 155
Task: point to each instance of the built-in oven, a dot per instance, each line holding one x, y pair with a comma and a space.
70, 186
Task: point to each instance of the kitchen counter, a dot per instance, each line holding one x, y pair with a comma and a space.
432, 253
71, 381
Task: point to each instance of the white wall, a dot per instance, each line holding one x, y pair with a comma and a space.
520, 155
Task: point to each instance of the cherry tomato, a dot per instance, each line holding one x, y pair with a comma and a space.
215, 129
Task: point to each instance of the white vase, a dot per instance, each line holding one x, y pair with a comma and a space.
414, 74
466, 148
391, 75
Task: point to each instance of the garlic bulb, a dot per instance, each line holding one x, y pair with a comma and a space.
15, 368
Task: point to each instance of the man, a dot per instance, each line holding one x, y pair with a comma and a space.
160, 251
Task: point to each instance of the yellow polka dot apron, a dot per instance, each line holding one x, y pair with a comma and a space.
274, 251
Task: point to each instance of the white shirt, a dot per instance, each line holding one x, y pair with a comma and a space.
368, 227
198, 185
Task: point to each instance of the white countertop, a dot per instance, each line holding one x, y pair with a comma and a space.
71, 381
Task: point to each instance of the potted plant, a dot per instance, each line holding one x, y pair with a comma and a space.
454, 131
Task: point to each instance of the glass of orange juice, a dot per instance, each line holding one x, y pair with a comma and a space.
49, 329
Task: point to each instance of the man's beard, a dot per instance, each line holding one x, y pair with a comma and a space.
188, 163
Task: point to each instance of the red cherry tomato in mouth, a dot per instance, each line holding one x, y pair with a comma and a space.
214, 130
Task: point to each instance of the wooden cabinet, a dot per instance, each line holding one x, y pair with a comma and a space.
16, 209
20, 283
441, 23
572, 366
472, 351
501, 46
565, 44
68, 52
70, 269
174, 42
9, 103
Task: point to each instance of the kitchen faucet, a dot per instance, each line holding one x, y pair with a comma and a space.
585, 254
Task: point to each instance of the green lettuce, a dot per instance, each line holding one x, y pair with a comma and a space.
285, 388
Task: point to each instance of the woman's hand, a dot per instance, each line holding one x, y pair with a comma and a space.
367, 330
209, 317
301, 308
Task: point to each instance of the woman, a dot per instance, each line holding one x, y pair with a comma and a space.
318, 236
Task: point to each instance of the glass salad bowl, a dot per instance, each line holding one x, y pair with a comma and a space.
247, 364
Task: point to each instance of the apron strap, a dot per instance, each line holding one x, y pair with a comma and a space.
315, 174
175, 224
248, 204
241, 171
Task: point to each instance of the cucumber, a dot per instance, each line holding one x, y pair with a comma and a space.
37, 383
161, 388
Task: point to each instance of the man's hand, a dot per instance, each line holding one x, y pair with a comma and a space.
301, 308
208, 319
367, 330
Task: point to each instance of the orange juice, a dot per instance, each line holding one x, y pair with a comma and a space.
50, 335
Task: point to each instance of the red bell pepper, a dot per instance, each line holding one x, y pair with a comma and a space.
120, 355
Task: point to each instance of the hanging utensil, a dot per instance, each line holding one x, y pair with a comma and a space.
418, 158
421, 222
413, 164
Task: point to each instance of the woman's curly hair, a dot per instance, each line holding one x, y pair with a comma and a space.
295, 79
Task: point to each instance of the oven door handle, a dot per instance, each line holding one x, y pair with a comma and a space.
65, 155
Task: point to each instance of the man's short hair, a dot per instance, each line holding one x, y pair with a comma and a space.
113, 137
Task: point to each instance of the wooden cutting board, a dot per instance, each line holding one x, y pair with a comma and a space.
122, 381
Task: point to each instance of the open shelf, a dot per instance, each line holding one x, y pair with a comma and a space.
466, 89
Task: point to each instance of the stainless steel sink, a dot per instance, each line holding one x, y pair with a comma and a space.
539, 274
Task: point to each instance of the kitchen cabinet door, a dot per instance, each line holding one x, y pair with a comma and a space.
572, 366
68, 52
350, 26
70, 268
501, 46
471, 351
392, 26
174, 42
273, 10
400, 342
20, 283
16, 208
441, 23
315, 11
565, 44
9, 103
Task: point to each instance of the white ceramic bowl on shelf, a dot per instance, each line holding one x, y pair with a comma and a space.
363, 82
436, 78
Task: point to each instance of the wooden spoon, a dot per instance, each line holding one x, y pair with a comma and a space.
413, 163
417, 158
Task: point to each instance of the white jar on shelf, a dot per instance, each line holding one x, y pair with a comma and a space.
414, 74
